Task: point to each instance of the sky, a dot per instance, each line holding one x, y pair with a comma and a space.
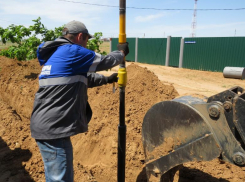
144, 22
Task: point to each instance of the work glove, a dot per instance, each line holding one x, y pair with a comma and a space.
123, 47
112, 78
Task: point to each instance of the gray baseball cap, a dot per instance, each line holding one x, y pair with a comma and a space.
76, 27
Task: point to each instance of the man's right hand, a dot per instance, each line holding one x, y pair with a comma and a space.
113, 78
123, 47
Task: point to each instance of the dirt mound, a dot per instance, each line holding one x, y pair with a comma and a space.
18, 84
100, 143
95, 152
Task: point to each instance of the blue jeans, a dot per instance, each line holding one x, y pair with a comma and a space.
57, 157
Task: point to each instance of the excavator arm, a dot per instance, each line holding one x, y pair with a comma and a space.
190, 129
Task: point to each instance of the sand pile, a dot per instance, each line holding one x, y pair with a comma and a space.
97, 149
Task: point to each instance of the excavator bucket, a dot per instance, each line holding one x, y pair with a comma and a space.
190, 129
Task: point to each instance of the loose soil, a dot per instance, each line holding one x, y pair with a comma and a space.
95, 152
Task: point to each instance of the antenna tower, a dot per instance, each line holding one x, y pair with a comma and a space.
194, 21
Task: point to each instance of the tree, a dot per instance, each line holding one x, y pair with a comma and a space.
26, 40
95, 42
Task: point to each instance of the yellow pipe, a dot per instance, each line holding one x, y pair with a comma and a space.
122, 72
122, 28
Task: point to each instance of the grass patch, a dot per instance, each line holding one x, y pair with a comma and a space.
5, 46
105, 46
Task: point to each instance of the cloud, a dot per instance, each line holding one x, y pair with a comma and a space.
221, 30
55, 10
225, 25
207, 30
149, 17
55, 13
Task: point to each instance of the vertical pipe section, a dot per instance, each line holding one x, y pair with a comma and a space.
181, 53
122, 80
167, 51
136, 49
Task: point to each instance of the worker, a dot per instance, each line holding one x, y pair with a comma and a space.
61, 107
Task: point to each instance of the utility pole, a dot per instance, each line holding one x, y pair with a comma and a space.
194, 23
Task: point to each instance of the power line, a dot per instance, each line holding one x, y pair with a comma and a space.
158, 9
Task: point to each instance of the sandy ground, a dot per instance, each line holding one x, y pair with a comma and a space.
188, 82
95, 152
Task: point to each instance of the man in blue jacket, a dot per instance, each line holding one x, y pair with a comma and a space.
61, 107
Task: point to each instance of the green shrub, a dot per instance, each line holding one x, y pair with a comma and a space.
26, 40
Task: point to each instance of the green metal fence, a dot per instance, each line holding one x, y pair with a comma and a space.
152, 50
214, 53
201, 53
131, 41
174, 51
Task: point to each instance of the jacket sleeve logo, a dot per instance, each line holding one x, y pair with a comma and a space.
46, 70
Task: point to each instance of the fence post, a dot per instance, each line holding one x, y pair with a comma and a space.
110, 44
167, 51
181, 52
136, 49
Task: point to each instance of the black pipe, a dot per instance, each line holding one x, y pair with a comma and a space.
121, 138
